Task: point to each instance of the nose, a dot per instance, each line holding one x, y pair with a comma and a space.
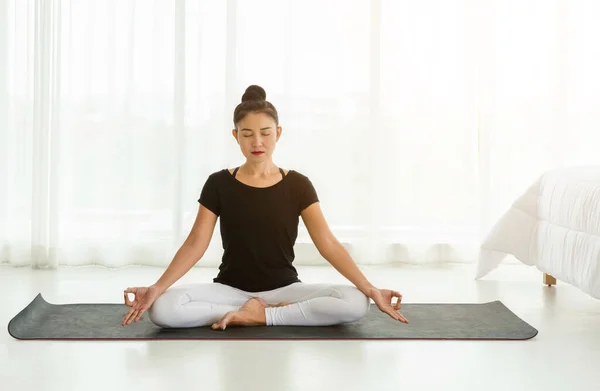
256, 141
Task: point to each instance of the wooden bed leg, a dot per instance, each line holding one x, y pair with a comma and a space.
549, 280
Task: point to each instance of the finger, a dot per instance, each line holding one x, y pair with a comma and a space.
391, 313
403, 319
132, 314
398, 305
397, 316
127, 301
139, 316
132, 317
399, 301
134, 291
127, 316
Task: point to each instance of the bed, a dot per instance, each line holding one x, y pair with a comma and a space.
555, 226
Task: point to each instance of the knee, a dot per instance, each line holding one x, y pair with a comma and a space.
162, 311
358, 303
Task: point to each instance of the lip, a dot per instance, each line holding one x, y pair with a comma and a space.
257, 153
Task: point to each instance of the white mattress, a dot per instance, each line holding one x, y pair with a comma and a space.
554, 226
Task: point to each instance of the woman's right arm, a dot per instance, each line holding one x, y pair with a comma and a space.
191, 251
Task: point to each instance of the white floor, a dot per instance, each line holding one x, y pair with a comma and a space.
563, 356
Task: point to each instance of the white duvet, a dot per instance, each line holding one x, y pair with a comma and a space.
554, 226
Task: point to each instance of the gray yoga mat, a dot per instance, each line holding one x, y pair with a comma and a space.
486, 321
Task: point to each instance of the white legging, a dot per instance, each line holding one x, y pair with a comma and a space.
195, 305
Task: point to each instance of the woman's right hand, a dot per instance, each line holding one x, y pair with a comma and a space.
144, 297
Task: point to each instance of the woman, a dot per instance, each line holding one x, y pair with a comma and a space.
259, 205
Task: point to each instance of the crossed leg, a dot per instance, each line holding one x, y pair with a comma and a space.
297, 304
195, 305
315, 305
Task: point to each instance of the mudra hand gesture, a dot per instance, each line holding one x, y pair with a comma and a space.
383, 299
144, 297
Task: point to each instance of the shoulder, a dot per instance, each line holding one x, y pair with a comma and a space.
222, 173
297, 175
217, 177
300, 180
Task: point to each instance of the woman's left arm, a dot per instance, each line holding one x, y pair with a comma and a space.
331, 249
337, 255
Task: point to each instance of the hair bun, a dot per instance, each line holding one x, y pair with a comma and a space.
254, 92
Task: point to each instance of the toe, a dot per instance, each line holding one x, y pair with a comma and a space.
222, 324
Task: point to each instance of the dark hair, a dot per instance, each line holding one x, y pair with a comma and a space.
254, 100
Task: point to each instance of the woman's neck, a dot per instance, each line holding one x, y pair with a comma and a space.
260, 169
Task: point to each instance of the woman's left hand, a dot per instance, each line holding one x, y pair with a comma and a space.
383, 299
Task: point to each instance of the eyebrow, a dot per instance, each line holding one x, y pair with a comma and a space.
250, 130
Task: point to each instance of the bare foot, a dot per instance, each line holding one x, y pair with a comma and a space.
252, 313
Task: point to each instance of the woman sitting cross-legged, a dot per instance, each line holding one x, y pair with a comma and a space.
259, 206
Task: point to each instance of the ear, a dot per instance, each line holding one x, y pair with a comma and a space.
234, 133
279, 130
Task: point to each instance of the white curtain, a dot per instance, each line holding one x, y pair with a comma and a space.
418, 122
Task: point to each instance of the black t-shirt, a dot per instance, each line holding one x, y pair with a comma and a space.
259, 227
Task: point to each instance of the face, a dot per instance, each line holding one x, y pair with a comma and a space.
257, 135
